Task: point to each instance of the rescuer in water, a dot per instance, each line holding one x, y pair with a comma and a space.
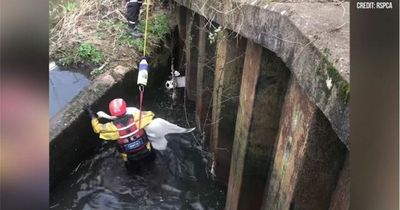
133, 143
133, 10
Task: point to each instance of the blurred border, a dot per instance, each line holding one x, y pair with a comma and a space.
374, 102
24, 105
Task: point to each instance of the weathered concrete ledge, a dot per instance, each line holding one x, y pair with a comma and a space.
68, 143
313, 45
95, 91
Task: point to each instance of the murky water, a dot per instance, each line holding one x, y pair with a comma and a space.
63, 87
178, 178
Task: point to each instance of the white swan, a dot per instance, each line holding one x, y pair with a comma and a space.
156, 130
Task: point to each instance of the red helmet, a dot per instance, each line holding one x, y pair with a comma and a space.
117, 107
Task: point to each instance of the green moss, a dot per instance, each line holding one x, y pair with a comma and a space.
321, 78
332, 72
345, 89
342, 85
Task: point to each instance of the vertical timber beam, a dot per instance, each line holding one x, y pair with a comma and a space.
205, 77
263, 87
182, 22
181, 57
228, 76
192, 39
308, 157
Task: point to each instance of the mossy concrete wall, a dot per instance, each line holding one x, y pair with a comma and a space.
182, 17
205, 77
192, 54
228, 75
308, 157
313, 45
263, 88
71, 134
288, 148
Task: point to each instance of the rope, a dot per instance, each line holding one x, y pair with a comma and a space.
141, 87
145, 28
140, 105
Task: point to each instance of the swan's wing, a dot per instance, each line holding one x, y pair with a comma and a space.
163, 127
157, 130
158, 143
102, 114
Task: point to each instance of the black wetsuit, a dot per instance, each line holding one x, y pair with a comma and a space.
133, 9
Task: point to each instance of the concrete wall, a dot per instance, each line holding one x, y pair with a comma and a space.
314, 45
341, 195
228, 75
279, 134
308, 157
192, 53
68, 144
205, 77
263, 88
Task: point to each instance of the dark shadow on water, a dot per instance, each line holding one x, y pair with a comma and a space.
178, 177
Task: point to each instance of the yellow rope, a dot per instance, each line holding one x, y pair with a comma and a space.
145, 28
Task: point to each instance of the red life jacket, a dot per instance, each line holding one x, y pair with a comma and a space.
131, 139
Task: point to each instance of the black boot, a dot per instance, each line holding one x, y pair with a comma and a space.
133, 9
135, 32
